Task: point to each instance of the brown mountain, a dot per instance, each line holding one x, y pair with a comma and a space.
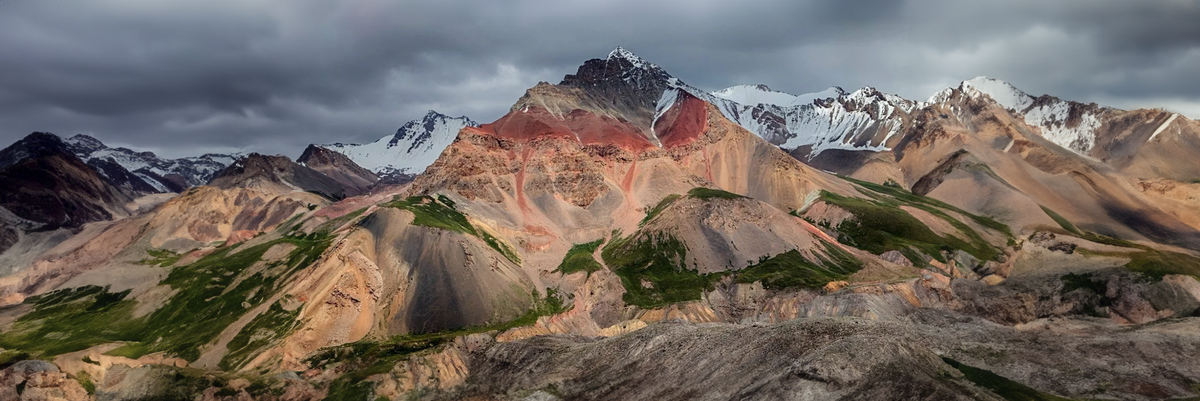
339, 167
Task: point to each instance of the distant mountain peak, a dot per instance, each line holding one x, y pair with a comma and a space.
414, 146
417, 132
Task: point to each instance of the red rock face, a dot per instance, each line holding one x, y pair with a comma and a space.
683, 122
604, 130
528, 124
579, 125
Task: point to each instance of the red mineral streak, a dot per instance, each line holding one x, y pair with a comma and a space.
683, 122
579, 125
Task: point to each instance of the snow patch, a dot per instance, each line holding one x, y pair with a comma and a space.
1163, 127
1052, 118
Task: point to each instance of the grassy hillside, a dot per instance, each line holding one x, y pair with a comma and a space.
880, 225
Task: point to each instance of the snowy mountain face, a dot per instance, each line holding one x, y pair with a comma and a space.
158, 174
413, 147
1071, 125
831, 119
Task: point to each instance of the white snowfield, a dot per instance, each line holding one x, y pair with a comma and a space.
411, 149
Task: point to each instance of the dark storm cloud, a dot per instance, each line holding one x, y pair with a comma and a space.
273, 75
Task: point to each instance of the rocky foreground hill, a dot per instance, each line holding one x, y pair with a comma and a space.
624, 235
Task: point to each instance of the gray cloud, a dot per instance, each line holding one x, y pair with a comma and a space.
184, 78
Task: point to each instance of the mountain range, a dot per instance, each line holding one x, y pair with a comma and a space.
623, 235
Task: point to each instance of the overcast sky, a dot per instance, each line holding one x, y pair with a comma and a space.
183, 78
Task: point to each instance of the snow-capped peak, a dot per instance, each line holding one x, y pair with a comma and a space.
417, 132
84, 143
1002, 92
621, 53
413, 147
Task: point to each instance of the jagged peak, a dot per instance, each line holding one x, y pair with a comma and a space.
623, 54
865, 91
621, 67
869, 94
432, 124
433, 115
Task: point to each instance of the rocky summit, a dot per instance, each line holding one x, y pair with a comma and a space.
623, 235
